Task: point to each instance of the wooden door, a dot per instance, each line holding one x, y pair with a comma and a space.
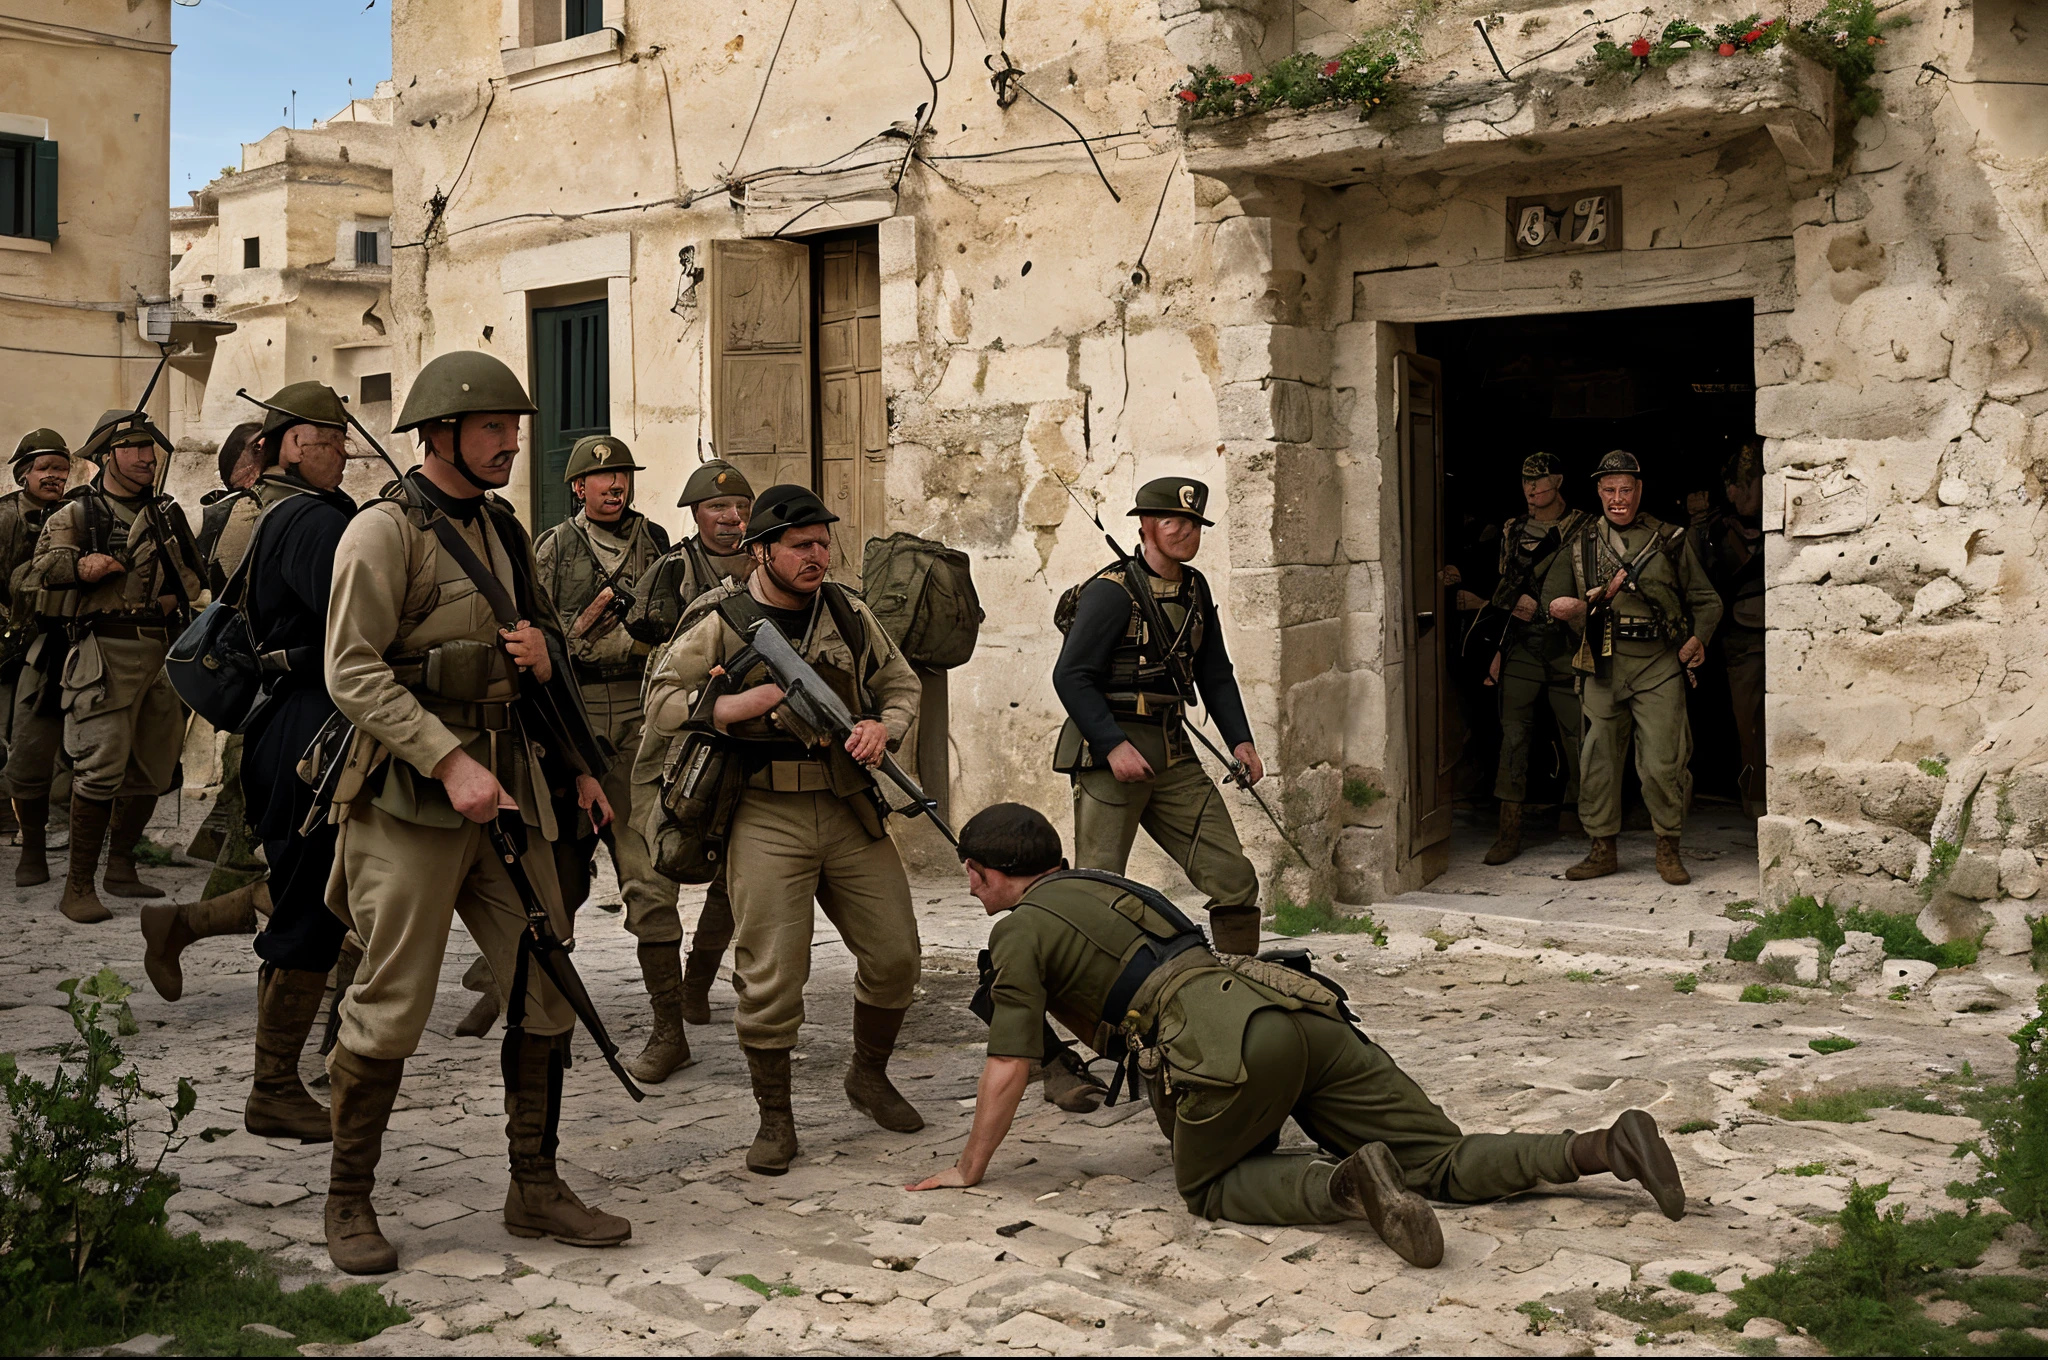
761, 338
572, 372
853, 429
1426, 625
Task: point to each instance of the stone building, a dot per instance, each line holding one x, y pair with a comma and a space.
822, 241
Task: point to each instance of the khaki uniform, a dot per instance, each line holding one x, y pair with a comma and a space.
1536, 663
407, 861
1230, 1059
576, 559
807, 825
28, 681
124, 726
1638, 687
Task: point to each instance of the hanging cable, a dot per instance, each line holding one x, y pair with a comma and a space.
766, 76
1078, 134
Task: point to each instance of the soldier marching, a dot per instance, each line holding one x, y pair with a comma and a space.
33, 649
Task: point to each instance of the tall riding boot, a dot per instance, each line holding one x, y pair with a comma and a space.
1234, 930
34, 865
538, 1203
287, 999
89, 819
775, 1141
1600, 861
131, 815
364, 1091
1670, 867
168, 928
484, 1013
867, 1079
700, 970
1631, 1149
1509, 843
668, 1047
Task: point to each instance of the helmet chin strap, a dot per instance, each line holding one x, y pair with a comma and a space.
455, 458
768, 565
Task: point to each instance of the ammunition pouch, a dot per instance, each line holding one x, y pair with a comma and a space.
464, 669
1638, 630
700, 789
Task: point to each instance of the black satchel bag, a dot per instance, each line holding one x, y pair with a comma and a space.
214, 664
700, 790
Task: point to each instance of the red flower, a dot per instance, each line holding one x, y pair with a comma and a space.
1241, 78
1330, 68
1188, 95
1639, 48
1873, 42
1727, 49
1752, 35
1771, 24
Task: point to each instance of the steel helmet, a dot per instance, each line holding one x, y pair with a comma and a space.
714, 478
460, 384
38, 442
302, 403
599, 453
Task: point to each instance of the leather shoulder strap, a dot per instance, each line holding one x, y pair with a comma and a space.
1151, 897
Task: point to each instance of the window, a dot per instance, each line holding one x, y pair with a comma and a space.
28, 187
581, 16
366, 247
252, 252
375, 387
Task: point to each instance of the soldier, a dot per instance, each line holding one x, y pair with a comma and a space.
455, 717
124, 555
1231, 1048
719, 498
1730, 545
1123, 743
809, 822
32, 648
591, 564
1533, 664
1632, 589
227, 519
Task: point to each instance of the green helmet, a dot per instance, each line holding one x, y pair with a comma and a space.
1619, 460
119, 427
787, 506
714, 479
37, 442
599, 453
1540, 465
302, 403
461, 384
1182, 496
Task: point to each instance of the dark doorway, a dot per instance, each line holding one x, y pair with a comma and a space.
1673, 385
573, 388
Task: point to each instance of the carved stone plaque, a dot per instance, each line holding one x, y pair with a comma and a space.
1570, 223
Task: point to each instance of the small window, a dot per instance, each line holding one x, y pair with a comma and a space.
366, 247
28, 187
581, 16
375, 387
175, 259
252, 252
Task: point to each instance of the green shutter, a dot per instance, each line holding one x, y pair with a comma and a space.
43, 197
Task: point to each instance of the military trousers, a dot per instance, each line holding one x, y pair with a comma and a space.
36, 735
124, 726
1344, 1091
616, 715
1643, 697
715, 923
784, 850
1523, 691
1183, 811
399, 886
1743, 651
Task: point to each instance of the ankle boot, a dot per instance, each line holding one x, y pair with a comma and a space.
1234, 930
33, 867
1508, 843
538, 1203
1600, 861
1631, 1149
131, 815
867, 1079
775, 1142
167, 929
89, 819
1070, 1085
364, 1091
668, 1046
1368, 1184
484, 1013
287, 999
700, 970
1670, 867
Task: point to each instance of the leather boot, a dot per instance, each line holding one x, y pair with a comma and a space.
1234, 930
484, 1013
89, 819
33, 867
1600, 861
867, 1079
364, 1091
1631, 1149
668, 1047
131, 815
1568, 823
1070, 1085
1508, 843
287, 999
538, 1203
1670, 867
167, 929
1368, 1184
700, 970
775, 1141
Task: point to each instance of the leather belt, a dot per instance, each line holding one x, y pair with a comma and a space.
593, 674
1633, 630
491, 715
102, 625
793, 776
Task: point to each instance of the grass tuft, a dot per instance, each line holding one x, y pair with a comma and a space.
1697, 1126
1582, 975
1319, 918
1847, 1107
1540, 1316
149, 852
1832, 1044
766, 1290
1687, 1282
1685, 984
1804, 918
1362, 793
1756, 991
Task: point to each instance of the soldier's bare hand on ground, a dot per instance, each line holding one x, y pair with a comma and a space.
1493, 670
1525, 608
868, 742
952, 1178
746, 705
529, 648
97, 567
590, 797
473, 790
1128, 766
592, 612
1248, 756
1692, 653
1567, 609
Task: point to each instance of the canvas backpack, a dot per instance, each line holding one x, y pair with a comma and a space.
922, 593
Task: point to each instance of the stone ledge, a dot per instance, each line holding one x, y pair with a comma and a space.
591, 51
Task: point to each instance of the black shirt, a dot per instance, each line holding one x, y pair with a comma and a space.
292, 573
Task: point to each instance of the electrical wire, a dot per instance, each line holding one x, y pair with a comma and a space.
1957, 80
74, 354
1022, 89
762, 95
1597, 23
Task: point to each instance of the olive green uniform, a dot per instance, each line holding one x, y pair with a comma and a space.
1231, 1053
1536, 662
806, 825
35, 723
1637, 685
577, 558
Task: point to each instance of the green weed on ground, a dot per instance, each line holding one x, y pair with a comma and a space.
766, 1290
1686, 1282
1756, 991
1934, 769
1847, 1107
149, 852
1697, 1126
1540, 1316
2037, 926
1582, 975
1685, 984
1804, 918
2014, 1150
1832, 1044
1320, 918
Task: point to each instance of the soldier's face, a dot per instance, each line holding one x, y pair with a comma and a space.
134, 464
490, 445
996, 891
1540, 493
1175, 537
1620, 495
800, 558
604, 494
722, 522
45, 476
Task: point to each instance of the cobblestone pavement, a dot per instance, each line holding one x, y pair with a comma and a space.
1518, 1000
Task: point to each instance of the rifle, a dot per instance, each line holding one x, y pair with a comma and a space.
1178, 669
1584, 661
507, 833
815, 714
1515, 582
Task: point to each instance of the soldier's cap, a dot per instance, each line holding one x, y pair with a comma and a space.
599, 453
118, 429
38, 442
1620, 460
1011, 839
786, 506
1540, 465
1183, 496
713, 479
300, 403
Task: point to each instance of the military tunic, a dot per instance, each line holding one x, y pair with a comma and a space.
124, 727
225, 530
806, 826
1638, 687
1238, 1058
577, 558
1536, 659
35, 650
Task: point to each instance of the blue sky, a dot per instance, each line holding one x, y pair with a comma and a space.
237, 64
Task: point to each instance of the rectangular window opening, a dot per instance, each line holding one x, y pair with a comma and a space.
252, 252
28, 187
366, 247
375, 387
581, 16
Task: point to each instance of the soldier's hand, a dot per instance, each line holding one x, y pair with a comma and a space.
1248, 756
1493, 671
592, 612
1620, 580
473, 790
1692, 653
529, 648
952, 1178
1469, 602
868, 742
590, 797
1567, 609
746, 705
1449, 576
1128, 766
1525, 609
97, 567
